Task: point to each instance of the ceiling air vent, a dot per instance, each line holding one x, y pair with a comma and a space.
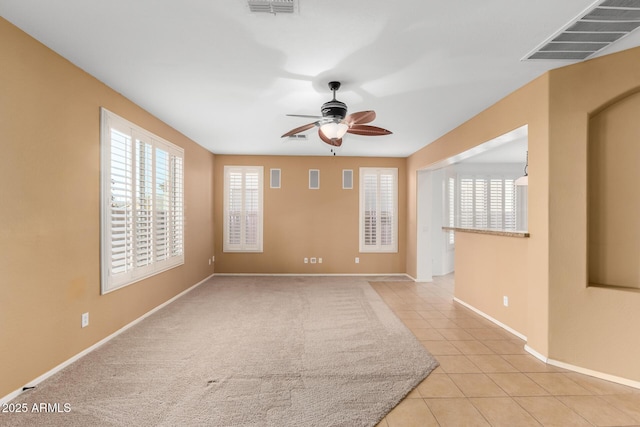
298, 136
594, 29
271, 6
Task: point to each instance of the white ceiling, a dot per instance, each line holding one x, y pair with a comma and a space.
226, 78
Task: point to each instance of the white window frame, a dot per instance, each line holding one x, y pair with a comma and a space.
243, 245
364, 174
125, 181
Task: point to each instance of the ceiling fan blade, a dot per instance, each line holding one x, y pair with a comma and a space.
334, 142
360, 117
304, 115
299, 129
367, 130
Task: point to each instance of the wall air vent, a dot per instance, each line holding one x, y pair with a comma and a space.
271, 6
594, 29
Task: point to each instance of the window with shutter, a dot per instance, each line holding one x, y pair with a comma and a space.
486, 202
142, 217
451, 209
378, 210
243, 195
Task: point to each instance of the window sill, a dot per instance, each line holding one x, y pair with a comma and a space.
505, 233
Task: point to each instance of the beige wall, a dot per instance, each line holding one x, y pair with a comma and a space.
49, 212
595, 328
490, 268
527, 313
299, 222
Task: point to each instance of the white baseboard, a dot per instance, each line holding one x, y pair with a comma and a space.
319, 274
541, 357
491, 319
88, 350
545, 359
411, 277
585, 371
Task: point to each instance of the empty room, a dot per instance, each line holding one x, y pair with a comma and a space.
301, 213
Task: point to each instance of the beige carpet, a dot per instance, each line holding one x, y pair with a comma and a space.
244, 351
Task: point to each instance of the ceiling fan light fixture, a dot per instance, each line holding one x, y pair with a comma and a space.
334, 129
524, 180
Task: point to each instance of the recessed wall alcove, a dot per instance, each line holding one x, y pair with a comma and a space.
613, 196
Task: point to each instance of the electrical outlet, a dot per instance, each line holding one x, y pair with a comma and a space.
209, 261
306, 260
213, 259
505, 301
313, 260
357, 260
319, 260
85, 320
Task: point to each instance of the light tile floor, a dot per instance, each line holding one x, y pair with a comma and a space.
486, 378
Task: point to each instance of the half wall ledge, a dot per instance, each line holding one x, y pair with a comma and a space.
494, 232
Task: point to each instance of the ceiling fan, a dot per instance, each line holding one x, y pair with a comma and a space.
335, 122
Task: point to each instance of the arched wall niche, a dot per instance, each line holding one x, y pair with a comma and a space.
613, 199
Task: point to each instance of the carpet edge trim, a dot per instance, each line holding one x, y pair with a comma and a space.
431, 368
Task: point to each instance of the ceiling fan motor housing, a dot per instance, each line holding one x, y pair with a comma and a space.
334, 109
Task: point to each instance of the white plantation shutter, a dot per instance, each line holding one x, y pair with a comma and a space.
466, 217
142, 220
509, 204
120, 206
488, 203
251, 209
234, 208
144, 205
451, 208
480, 203
169, 205
370, 186
496, 203
378, 210
387, 209
176, 215
162, 208
243, 208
